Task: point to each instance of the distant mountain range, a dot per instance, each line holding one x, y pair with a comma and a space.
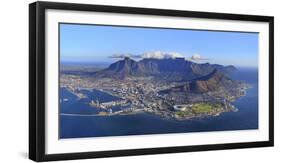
177, 69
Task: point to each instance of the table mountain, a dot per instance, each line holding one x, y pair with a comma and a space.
177, 69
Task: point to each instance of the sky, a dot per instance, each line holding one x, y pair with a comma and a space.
96, 43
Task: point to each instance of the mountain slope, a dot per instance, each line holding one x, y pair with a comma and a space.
177, 69
212, 82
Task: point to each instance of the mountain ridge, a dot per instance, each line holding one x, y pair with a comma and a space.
177, 69
208, 83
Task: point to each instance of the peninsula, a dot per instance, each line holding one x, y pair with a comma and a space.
171, 88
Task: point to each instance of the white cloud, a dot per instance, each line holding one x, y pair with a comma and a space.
155, 54
161, 55
197, 57
124, 56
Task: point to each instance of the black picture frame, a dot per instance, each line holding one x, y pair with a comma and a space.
37, 80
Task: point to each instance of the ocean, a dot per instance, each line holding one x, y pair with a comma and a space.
74, 124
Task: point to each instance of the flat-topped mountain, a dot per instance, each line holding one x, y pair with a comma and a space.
177, 69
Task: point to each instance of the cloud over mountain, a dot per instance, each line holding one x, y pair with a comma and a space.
158, 55
161, 55
154, 54
124, 56
197, 57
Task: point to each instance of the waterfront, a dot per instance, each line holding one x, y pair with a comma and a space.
145, 123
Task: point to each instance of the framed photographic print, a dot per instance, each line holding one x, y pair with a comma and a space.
118, 81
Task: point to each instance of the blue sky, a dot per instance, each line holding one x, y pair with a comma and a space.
91, 43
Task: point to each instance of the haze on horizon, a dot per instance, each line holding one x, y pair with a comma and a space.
107, 44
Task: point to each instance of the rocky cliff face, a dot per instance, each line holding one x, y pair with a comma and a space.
177, 69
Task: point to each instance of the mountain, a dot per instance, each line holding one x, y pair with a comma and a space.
120, 69
224, 69
177, 69
214, 81
210, 82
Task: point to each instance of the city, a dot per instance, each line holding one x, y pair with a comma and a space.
147, 94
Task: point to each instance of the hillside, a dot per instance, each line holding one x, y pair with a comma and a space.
177, 69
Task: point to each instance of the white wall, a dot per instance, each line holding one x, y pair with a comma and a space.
14, 79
